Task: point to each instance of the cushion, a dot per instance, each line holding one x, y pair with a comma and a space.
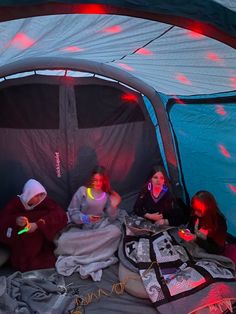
133, 282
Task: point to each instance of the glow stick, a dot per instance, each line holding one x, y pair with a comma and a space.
23, 230
26, 229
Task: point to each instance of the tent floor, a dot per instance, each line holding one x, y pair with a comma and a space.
120, 304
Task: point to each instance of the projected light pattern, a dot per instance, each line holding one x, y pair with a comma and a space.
21, 41
72, 49
232, 188
125, 66
214, 57
144, 52
90, 9
194, 35
220, 110
112, 29
233, 82
183, 79
129, 97
224, 151
178, 100
195, 64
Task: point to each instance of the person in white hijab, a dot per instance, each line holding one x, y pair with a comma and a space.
28, 226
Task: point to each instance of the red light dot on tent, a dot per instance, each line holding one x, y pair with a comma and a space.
125, 66
196, 30
129, 97
22, 41
233, 82
232, 187
72, 49
183, 79
112, 29
194, 35
224, 151
179, 101
89, 9
213, 57
220, 110
144, 52
68, 80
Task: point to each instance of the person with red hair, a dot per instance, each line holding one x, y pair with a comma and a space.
207, 224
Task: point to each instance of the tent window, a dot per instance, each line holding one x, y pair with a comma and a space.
105, 105
31, 106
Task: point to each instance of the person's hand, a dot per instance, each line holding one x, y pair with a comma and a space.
155, 217
160, 222
202, 233
115, 199
32, 227
93, 218
186, 235
22, 221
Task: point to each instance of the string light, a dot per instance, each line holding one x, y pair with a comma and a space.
117, 288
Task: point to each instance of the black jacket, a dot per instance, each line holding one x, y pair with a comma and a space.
215, 241
164, 204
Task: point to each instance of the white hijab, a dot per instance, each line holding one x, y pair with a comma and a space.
30, 189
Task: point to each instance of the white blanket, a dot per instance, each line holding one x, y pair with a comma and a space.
87, 251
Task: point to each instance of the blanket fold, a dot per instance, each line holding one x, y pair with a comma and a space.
87, 251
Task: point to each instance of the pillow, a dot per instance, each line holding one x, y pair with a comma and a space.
133, 282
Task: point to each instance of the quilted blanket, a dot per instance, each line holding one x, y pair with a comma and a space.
179, 277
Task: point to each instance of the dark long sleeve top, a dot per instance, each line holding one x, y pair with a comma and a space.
164, 204
32, 250
215, 241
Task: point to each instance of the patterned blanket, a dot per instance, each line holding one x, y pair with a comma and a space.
179, 277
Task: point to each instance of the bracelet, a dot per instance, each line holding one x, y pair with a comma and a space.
85, 219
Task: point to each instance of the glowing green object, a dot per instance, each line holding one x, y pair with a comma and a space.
23, 230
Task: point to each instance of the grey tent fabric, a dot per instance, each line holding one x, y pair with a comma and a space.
210, 16
62, 156
135, 45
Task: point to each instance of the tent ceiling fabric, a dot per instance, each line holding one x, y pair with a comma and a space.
172, 60
210, 17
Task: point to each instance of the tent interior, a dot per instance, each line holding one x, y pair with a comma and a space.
123, 85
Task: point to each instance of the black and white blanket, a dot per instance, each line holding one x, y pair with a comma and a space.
179, 277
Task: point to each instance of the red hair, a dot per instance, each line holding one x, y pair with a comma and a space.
209, 220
